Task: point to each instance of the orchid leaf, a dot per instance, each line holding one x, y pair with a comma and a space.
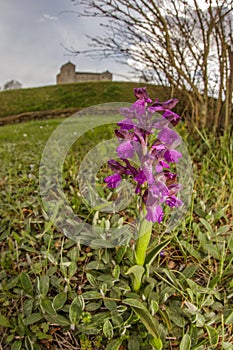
154, 253
148, 321
136, 273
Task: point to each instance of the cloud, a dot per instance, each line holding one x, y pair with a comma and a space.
47, 17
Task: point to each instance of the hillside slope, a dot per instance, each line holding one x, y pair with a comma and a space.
78, 95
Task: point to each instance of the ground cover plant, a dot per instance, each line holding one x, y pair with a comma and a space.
57, 294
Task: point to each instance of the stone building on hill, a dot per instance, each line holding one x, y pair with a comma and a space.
69, 75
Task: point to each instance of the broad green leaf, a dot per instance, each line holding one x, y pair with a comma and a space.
154, 306
166, 318
147, 320
75, 311
156, 343
213, 335
207, 226
33, 318
200, 320
110, 304
16, 345
58, 319
191, 250
26, 283
189, 271
134, 303
134, 343
92, 295
81, 302
72, 269
47, 306
28, 343
120, 254
213, 250
193, 333
10, 338
229, 319
222, 230
93, 306
99, 243
4, 322
92, 280
74, 254
227, 345
116, 272
44, 285
114, 344
99, 318
155, 252
108, 329
27, 307
230, 243
185, 342
59, 300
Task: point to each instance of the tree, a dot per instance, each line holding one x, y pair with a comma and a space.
12, 85
177, 43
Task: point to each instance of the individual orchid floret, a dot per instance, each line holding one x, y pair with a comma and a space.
172, 117
173, 201
127, 124
125, 150
169, 137
117, 167
161, 106
113, 181
142, 95
172, 156
155, 214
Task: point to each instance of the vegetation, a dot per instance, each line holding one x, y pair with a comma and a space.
78, 95
183, 44
12, 85
57, 294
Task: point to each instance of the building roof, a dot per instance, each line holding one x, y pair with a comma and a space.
68, 64
92, 73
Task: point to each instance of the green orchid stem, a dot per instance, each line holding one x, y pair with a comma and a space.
136, 285
144, 235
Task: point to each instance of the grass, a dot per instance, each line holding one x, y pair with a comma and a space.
78, 95
45, 276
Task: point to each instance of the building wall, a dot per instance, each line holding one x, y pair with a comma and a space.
69, 75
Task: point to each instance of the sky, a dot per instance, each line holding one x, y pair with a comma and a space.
35, 36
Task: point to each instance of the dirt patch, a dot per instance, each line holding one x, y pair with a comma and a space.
27, 116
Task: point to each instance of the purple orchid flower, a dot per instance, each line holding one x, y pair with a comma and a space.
155, 184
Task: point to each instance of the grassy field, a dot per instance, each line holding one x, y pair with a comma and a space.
43, 272
78, 95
